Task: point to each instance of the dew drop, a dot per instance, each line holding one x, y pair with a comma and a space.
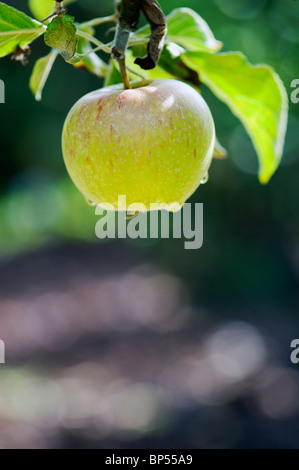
205, 179
89, 202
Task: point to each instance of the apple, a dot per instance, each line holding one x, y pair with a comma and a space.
153, 144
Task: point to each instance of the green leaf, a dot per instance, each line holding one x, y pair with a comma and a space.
170, 64
255, 94
134, 73
40, 74
41, 9
188, 29
16, 29
91, 62
61, 35
113, 75
219, 151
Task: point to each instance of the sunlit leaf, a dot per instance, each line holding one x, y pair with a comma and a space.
40, 74
170, 64
255, 94
41, 9
188, 29
113, 75
91, 61
16, 29
219, 151
61, 35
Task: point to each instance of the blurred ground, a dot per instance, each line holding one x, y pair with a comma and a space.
105, 349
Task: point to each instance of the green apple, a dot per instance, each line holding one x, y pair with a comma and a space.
153, 144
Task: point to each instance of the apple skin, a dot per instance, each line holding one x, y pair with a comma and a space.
153, 144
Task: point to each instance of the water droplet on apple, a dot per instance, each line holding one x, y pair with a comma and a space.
90, 203
205, 179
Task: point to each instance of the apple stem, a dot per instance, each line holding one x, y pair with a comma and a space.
118, 51
123, 71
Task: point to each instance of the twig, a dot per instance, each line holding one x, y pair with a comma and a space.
128, 12
99, 21
94, 41
59, 10
136, 73
106, 47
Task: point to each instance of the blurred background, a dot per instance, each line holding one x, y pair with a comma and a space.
141, 344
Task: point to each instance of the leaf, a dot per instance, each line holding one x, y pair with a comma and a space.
41, 9
255, 94
113, 75
16, 29
40, 74
61, 35
219, 151
170, 64
188, 29
91, 62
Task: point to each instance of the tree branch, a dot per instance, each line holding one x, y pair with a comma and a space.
128, 13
